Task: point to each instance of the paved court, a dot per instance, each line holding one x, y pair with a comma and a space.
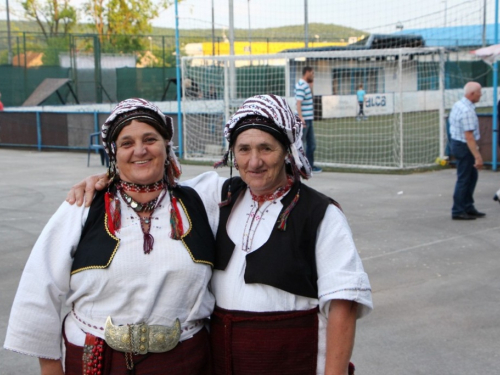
436, 282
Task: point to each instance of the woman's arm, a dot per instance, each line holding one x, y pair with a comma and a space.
340, 332
343, 286
51, 367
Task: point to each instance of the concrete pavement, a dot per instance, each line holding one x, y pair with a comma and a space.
436, 282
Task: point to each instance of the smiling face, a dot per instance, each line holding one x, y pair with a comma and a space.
140, 153
261, 161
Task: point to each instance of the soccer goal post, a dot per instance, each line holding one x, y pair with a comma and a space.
401, 126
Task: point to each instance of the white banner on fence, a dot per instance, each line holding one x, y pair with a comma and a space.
378, 104
335, 106
339, 106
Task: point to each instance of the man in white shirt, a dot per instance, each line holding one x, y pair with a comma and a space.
464, 133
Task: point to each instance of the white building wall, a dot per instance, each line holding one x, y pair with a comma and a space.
86, 61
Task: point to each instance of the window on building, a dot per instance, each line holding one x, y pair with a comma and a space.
345, 81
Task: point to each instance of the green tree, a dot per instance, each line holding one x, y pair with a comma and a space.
120, 23
54, 17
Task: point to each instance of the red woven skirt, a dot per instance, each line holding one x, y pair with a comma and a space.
248, 343
189, 357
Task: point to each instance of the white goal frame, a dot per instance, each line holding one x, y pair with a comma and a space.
408, 104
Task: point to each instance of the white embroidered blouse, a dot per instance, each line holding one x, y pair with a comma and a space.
154, 288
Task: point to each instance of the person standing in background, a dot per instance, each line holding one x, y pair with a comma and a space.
305, 110
361, 101
464, 133
1, 104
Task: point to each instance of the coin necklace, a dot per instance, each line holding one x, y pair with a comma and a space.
147, 207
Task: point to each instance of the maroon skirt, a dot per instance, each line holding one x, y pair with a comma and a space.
248, 343
189, 357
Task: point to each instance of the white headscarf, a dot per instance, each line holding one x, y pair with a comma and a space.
137, 108
276, 109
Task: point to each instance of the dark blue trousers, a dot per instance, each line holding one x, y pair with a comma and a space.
309, 141
463, 200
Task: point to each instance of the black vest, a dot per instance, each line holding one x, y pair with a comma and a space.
287, 261
97, 246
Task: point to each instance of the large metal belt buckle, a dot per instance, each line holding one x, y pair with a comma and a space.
142, 338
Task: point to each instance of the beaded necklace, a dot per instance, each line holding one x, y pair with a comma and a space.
279, 192
137, 188
145, 222
136, 206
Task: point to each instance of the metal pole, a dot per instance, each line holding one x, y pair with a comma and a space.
306, 26
232, 70
484, 23
38, 131
249, 29
96, 121
226, 99
178, 80
400, 83
213, 30
163, 78
8, 32
97, 69
287, 78
25, 64
73, 62
442, 123
231, 28
226, 91
495, 98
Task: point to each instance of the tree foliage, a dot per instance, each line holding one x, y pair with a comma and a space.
121, 23
54, 17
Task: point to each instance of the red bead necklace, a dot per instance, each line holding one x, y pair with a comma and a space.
137, 188
279, 192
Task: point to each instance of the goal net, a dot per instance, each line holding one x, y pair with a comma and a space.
402, 124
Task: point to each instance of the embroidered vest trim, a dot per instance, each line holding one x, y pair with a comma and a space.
287, 261
97, 246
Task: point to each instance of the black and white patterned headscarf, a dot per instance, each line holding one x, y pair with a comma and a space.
279, 118
143, 110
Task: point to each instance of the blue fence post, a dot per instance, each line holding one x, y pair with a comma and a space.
96, 121
39, 131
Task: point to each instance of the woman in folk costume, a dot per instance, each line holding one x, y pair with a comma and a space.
133, 268
288, 281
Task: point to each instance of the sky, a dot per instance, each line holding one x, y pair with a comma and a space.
380, 16
361, 14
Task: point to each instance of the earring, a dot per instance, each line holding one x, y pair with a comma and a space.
236, 166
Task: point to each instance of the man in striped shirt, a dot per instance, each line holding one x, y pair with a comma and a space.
464, 133
305, 110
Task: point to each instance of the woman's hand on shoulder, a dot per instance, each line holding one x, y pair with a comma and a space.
85, 189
